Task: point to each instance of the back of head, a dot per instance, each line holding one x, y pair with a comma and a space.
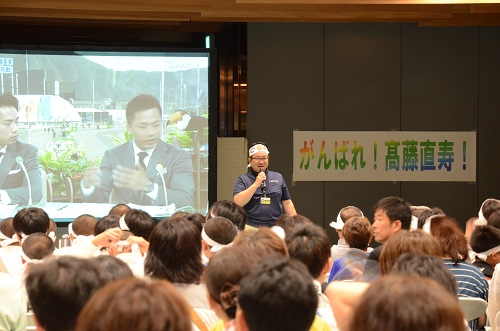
223, 275
450, 237
348, 212
175, 251
197, 219
107, 222
424, 212
219, 231
112, 268
262, 242
289, 222
278, 295
119, 210
494, 219
396, 209
31, 220
413, 242
488, 207
230, 210
37, 246
135, 304
309, 244
59, 287
7, 228
485, 240
84, 225
357, 232
140, 223
429, 266
401, 302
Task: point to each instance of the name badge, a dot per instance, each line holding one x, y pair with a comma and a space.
265, 201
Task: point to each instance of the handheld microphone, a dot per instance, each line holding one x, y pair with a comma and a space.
263, 184
162, 171
19, 161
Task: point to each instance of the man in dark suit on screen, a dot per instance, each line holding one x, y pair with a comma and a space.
13, 156
132, 172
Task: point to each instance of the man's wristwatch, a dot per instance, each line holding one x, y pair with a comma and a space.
148, 187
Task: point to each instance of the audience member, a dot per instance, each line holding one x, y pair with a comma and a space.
494, 219
59, 288
493, 310
424, 212
30, 220
10, 247
404, 241
218, 232
139, 222
425, 265
198, 220
470, 226
470, 280
277, 295
13, 305
289, 222
344, 214
112, 268
357, 233
83, 225
175, 255
107, 222
230, 210
262, 242
35, 248
485, 242
134, 304
397, 302
488, 207
309, 244
119, 210
222, 277
391, 215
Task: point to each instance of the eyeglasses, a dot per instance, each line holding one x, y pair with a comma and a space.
260, 159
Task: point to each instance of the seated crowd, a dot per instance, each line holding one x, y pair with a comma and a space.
126, 271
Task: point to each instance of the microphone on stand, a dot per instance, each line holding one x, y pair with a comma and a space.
19, 161
160, 170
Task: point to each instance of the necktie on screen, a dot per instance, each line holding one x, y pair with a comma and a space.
142, 156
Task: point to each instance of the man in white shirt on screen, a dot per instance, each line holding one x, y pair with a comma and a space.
134, 169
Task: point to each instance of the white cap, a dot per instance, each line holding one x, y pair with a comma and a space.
339, 224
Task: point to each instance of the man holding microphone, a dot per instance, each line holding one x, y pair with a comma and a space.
263, 193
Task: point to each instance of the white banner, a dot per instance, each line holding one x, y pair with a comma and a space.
384, 156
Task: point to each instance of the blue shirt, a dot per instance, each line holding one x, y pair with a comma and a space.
263, 214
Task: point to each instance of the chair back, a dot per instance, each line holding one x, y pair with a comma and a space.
473, 307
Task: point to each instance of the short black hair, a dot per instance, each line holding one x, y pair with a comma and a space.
140, 223
31, 220
396, 209
140, 103
230, 210
7, 99
309, 244
59, 288
278, 295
